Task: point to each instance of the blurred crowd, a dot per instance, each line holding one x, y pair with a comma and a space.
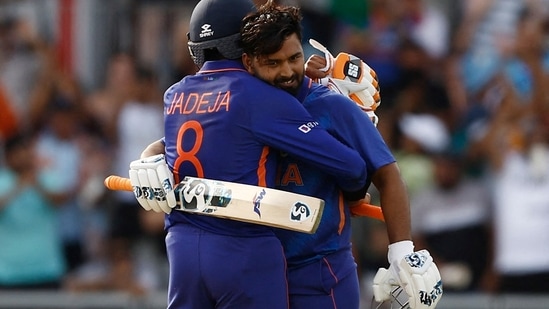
465, 109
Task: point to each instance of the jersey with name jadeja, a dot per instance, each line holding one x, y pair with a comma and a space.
224, 124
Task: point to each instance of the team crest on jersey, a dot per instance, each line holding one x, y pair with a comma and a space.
300, 212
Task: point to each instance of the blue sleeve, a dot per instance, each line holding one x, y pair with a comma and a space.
283, 123
348, 123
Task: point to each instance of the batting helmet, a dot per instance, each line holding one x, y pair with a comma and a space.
216, 24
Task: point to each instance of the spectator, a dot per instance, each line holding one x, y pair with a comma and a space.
426, 25
20, 63
377, 44
130, 258
421, 136
104, 104
139, 121
32, 254
55, 113
516, 145
61, 160
450, 219
519, 162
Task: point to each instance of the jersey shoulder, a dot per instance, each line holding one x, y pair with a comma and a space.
320, 95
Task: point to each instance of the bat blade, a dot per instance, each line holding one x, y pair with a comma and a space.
241, 202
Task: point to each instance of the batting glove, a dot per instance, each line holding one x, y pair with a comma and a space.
352, 77
153, 184
415, 272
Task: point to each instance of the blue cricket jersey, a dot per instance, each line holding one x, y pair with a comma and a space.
224, 124
342, 118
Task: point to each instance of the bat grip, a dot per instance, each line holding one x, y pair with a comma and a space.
118, 183
367, 210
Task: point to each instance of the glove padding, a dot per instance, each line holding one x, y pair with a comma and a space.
417, 274
352, 77
153, 184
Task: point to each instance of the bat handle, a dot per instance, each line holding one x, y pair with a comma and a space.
118, 183
367, 210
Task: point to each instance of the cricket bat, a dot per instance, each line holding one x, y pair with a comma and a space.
290, 211
241, 202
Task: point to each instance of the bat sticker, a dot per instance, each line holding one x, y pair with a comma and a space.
257, 202
300, 212
199, 195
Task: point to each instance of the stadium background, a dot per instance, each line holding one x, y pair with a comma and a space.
438, 61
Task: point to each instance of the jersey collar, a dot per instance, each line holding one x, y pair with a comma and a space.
221, 65
236, 65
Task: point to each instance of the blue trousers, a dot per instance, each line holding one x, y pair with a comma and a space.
210, 270
329, 283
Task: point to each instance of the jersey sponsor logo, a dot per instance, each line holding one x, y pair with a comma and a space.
257, 201
300, 212
199, 103
206, 31
307, 127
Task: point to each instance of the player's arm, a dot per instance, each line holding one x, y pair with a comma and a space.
155, 148
283, 123
414, 271
367, 141
394, 202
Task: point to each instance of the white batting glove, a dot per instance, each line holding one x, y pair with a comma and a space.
415, 272
153, 184
350, 76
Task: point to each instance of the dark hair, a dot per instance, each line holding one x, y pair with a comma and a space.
263, 32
